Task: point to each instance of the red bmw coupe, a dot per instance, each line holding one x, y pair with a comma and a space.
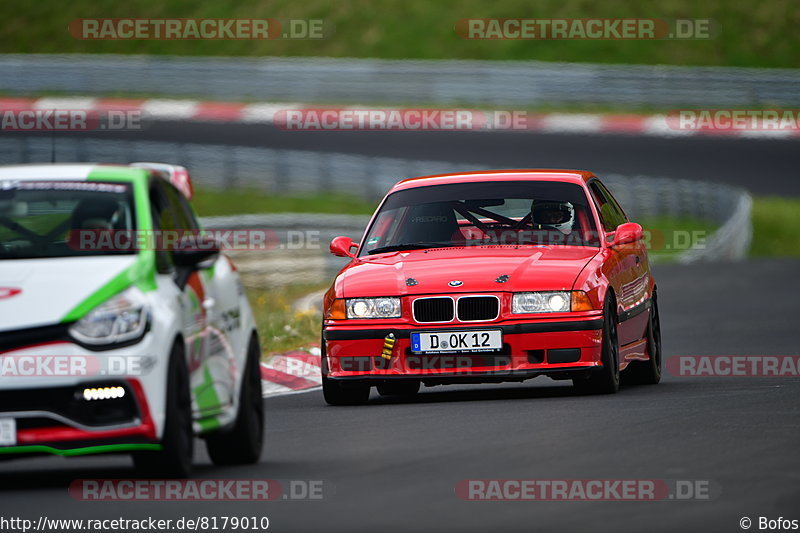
489, 277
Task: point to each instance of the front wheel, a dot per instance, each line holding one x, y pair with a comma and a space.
177, 444
604, 380
649, 372
241, 445
334, 392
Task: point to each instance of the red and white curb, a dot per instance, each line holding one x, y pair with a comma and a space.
264, 113
290, 373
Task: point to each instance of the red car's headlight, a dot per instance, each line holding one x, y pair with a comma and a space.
373, 307
550, 302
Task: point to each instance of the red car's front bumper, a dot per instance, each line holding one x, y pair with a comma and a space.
558, 348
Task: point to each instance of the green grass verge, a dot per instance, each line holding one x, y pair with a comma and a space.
753, 32
214, 202
668, 237
776, 227
280, 328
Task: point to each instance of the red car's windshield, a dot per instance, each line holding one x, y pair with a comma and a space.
483, 213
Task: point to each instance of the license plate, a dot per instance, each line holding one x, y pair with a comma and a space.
473, 341
8, 432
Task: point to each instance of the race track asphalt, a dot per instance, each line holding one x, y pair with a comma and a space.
393, 465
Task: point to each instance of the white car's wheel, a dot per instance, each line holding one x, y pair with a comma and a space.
175, 457
242, 444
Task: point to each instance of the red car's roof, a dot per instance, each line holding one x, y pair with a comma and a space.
572, 176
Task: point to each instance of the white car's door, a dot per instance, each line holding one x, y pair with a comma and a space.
210, 355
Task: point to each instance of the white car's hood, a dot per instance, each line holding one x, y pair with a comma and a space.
37, 292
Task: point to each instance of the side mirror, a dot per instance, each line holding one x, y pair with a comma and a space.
627, 233
192, 256
189, 257
341, 246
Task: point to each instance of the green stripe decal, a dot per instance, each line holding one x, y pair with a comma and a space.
205, 394
88, 450
117, 284
207, 424
142, 272
207, 400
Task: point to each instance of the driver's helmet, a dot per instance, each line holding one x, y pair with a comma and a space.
95, 213
550, 215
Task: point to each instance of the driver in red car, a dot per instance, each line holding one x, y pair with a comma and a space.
547, 215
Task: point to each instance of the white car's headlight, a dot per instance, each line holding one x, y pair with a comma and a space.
373, 308
122, 318
541, 302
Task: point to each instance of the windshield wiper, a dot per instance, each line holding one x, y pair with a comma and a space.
409, 246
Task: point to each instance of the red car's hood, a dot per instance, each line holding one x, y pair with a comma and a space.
478, 268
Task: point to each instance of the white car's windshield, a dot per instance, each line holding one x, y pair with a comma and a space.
44, 219
481, 213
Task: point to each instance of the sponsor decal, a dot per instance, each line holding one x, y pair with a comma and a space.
9, 292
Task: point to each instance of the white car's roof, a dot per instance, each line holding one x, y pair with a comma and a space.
61, 171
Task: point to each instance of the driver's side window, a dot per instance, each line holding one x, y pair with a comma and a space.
384, 230
611, 215
163, 220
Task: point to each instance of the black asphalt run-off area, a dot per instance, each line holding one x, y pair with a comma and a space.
393, 465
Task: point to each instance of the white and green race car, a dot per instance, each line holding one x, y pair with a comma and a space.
134, 347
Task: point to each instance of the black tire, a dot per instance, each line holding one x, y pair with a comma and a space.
648, 372
336, 394
399, 388
242, 444
174, 460
344, 394
604, 380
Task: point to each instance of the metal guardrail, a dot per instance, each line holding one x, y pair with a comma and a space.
298, 172
731, 241
426, 82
